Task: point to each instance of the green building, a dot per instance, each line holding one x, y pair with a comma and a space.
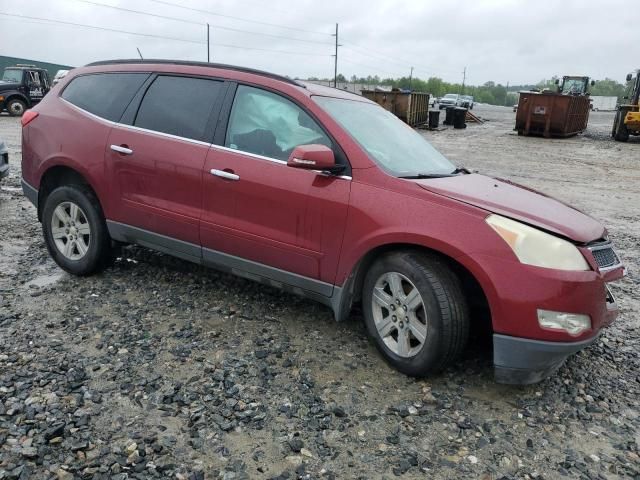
52, 68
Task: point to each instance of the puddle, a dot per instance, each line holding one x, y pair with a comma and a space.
45, 280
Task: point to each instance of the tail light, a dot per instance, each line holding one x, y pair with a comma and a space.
28, 117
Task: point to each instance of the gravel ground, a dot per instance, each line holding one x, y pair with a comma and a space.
157, 368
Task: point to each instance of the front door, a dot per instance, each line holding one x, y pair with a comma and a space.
257, 208
156, 163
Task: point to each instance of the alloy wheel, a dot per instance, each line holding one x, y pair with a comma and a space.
70, 230
399, 314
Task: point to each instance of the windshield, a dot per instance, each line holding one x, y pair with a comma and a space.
391, 143
13, 76
450, 95
573, 86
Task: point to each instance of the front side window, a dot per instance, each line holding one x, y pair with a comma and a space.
104, 94
179, 106
267, 124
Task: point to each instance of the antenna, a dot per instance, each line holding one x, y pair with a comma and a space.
139, 53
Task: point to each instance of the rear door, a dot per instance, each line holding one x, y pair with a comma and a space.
257, 208
156, 162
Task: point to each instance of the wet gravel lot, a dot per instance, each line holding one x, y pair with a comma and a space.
157, 368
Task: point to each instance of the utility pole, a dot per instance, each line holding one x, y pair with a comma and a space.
464, 77
208, 44
410, 78
335, 61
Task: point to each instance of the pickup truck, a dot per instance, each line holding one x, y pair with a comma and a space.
449, 100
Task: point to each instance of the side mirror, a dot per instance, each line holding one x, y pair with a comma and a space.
312, 157
593, 82
629, 77
557, 81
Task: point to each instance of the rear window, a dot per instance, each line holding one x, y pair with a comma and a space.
104, 94
179, 106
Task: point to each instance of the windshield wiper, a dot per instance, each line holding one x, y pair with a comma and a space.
417, 176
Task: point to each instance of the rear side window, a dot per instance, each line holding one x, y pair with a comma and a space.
104, 94
179, 106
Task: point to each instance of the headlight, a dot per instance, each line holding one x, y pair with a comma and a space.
535, 247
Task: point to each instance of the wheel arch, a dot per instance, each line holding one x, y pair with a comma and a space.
15, 94
474, 286
56, 176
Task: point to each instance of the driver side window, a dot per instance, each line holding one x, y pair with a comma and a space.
267, 124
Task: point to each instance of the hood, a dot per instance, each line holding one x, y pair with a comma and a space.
519, 203
8, 85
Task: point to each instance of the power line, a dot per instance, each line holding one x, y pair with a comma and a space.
192, 22
271, 50
83, 25
41, 21
208, 12
363, 51
375, 69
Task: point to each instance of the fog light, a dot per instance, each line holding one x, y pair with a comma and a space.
572, 323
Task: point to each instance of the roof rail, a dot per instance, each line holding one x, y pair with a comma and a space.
197, 64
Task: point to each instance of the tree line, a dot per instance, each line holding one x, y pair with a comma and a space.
490, 92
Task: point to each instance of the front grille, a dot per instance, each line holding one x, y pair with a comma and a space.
605, 256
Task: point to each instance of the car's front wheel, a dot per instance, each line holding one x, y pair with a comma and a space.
75, 231
415, 311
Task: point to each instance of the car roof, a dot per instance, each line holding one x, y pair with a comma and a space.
310, 88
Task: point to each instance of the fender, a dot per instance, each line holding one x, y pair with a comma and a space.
341, 302
60, 160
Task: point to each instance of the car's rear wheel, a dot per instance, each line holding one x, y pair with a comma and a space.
75, 231
415, 311
16, 107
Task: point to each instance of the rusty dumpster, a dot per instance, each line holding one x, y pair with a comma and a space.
552, 114
411, 107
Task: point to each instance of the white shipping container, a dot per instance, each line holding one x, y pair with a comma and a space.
600, 103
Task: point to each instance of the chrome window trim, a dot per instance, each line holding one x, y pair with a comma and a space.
88, 113
163, 134
133, 127
185, 139
268, 159
248, 154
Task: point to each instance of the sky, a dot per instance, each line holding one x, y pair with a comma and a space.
514, 41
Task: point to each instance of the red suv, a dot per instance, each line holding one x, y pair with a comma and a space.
319, 192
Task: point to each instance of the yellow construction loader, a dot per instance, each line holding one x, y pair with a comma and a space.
627, 121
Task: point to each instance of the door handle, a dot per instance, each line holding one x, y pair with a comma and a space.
121, 149
223, 174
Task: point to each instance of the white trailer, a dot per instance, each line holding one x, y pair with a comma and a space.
601, 103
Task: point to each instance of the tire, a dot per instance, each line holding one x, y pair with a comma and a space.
16, 107
443, 315
620, 131
85, 247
